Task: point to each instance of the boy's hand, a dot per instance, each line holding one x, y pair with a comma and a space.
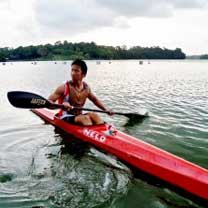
67, 106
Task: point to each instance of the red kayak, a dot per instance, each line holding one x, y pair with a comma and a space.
146, 157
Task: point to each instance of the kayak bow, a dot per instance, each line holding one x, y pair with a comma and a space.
146, 157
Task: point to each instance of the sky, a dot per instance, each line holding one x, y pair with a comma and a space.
147, 23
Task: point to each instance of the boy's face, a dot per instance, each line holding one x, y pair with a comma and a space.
76, 73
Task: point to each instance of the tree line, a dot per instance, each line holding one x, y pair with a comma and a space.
205, 56
69, 51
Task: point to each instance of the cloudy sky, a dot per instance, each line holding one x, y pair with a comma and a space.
164, 23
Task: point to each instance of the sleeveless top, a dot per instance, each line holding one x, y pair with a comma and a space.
75, 98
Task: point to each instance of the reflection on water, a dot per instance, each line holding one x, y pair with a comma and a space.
76, 179
39, 169
62, 174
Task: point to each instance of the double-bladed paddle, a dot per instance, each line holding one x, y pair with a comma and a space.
21, 99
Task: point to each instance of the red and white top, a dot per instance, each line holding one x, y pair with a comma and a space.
75, 97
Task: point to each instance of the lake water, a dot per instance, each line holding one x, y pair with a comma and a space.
38, 169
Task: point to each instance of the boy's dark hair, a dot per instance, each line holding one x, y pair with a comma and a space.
82, 65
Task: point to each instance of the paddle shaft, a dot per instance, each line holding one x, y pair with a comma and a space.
87, 109
54, 105
129, 115
21, 99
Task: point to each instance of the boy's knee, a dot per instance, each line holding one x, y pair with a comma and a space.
95, 118
83, 119
93, 115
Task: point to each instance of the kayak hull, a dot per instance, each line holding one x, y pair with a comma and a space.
146, 157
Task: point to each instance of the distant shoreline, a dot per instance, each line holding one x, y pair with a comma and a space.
143, 61
88, 51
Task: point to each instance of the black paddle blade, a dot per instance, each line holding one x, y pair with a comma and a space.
22, 99
135, 116
135, 119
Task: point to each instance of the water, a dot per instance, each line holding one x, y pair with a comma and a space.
37, 169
